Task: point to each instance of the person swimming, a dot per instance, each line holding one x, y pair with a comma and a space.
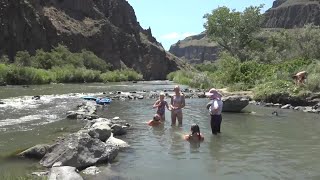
176, 105
161, 104
195, 134
155, 121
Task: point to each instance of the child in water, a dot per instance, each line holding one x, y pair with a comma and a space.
161, 104
155, 121
195, 134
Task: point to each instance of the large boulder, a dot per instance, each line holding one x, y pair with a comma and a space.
36, 152
234, 103
119, 130
117, 142
64, 173
79, 150
100, 130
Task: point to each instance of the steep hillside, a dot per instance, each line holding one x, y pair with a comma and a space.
109, 28
293, 13
283, 14
195, 49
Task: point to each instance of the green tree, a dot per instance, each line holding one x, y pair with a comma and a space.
4, 59
232, 30
23, 58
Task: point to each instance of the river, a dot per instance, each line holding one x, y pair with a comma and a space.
254, 145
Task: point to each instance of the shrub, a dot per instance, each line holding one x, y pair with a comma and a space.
120, 75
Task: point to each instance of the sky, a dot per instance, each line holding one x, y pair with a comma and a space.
173, 20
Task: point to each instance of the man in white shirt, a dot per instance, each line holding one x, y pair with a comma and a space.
215, 109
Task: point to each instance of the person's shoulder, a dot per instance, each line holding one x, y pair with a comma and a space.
201, 137
186, 137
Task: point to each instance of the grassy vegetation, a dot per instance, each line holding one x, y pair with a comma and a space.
60, 66
267, 71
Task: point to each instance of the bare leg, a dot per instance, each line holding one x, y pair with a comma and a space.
163, 117
179, 116
173, 118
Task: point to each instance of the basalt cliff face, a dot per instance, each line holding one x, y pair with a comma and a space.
293, 13
283, 14
109, 28
196, 49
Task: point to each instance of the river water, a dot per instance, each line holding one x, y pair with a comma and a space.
254, 145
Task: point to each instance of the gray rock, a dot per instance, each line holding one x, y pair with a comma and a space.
117, 142
297, 108
72, 115
2, 102
79, 150
253, 102
36, 152
277, 105
201, 95
287, 106
268, 105
234, 103
90, 123
64, 173
118, 130
100, 130
311, 110
93, 170
40, 174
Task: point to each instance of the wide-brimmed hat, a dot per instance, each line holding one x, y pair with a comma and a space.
213, 93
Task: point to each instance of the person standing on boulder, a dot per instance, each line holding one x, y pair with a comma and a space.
177, 103
215, 109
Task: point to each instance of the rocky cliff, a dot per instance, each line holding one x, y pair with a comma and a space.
109, 28
293, 13
195, 49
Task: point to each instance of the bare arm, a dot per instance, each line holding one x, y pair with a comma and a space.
171, 103
156, 104
209, 104
183, 102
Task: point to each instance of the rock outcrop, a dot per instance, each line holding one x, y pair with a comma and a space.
79, 150
64, 173
196, 49
109, 28
234, 103
293, 13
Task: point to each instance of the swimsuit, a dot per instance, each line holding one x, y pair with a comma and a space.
162, 108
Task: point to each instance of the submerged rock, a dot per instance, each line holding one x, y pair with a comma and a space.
64, 173
234, 103
85, 111
40, 174
79, 150
93, 170
36, 152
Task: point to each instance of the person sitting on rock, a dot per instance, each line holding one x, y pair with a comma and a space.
155, 121
195, 135
300, 77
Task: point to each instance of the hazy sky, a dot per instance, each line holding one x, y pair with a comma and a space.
173, 20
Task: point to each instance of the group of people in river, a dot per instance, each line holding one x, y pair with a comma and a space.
178, 103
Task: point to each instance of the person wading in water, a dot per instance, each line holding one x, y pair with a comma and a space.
176, 105
215, 109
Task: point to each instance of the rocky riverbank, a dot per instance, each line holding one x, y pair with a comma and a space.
94, 144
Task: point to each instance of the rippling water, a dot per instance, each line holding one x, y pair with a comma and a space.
252, 145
